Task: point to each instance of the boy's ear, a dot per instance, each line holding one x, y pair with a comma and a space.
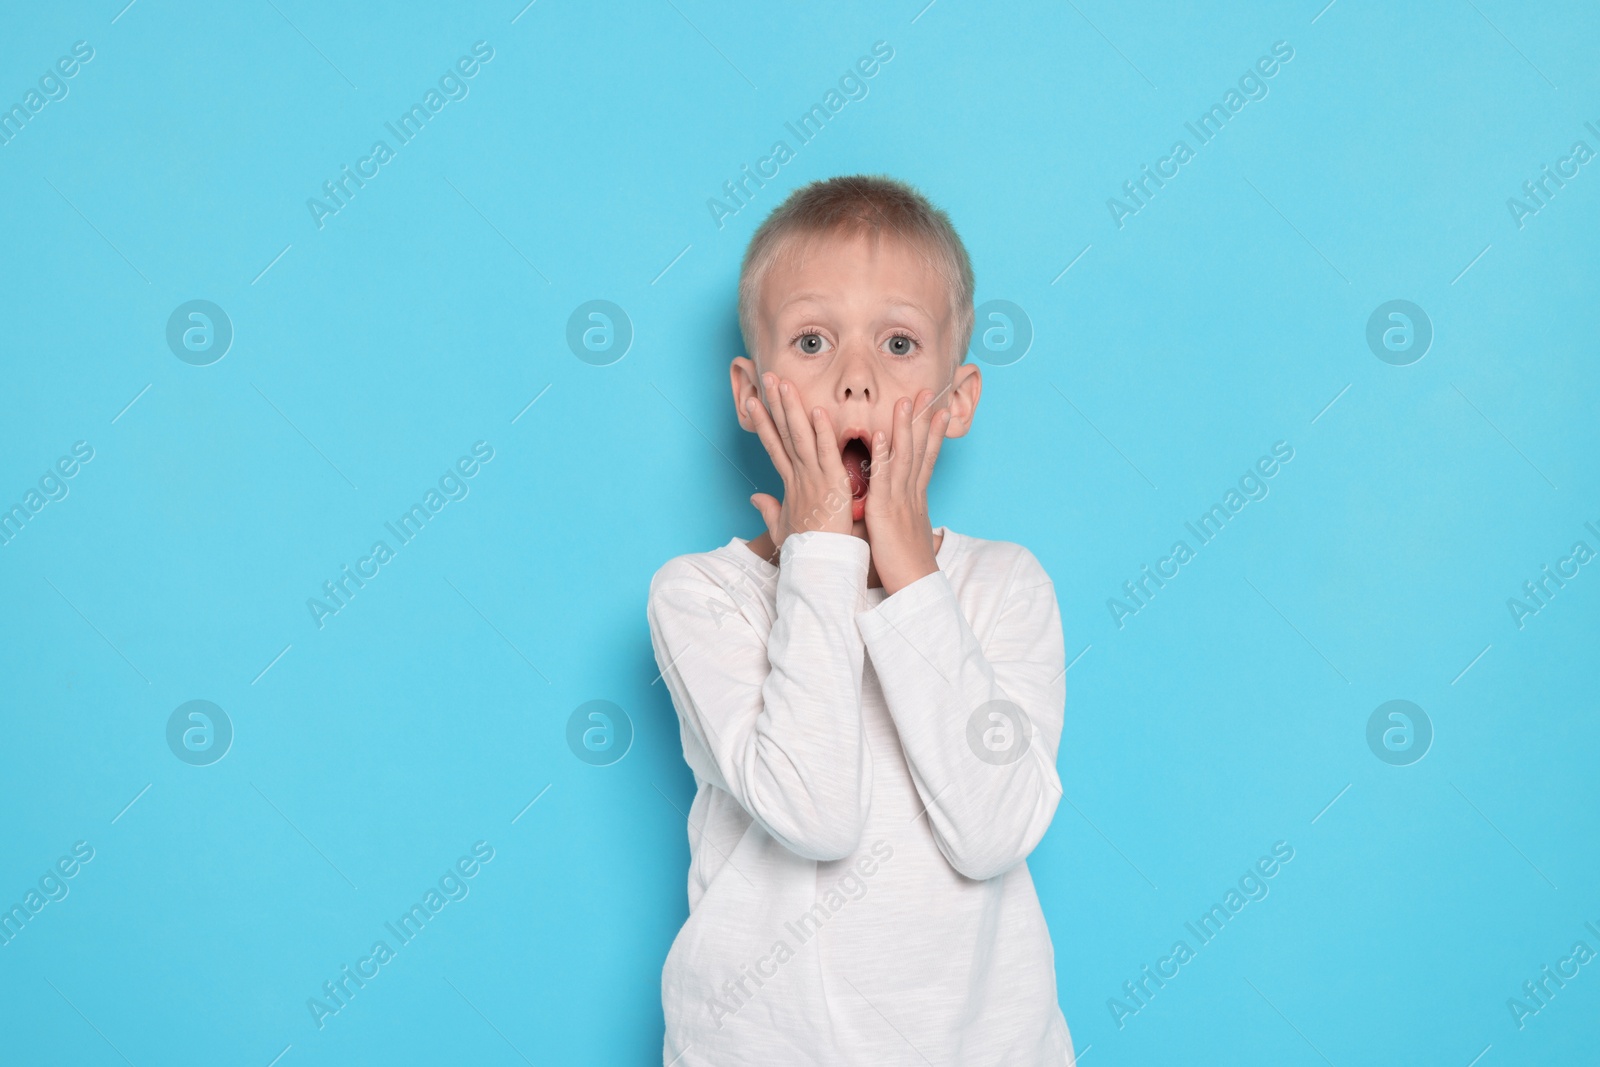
744, 377
966, 387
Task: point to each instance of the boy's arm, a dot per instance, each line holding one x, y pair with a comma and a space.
986, 813
780, 720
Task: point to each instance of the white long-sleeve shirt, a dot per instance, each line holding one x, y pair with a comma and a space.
858, 885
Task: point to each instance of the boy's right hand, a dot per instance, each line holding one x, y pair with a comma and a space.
804, 449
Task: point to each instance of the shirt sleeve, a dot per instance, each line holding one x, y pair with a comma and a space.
989, 800
780, 718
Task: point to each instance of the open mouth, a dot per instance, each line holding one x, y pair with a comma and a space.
857, 464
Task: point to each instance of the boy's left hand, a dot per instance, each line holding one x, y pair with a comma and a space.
898, 528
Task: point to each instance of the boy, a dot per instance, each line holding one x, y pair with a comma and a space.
870, 705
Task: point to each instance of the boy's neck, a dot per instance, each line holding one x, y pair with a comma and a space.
763, 547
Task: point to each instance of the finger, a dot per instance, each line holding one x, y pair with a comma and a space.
767, 430
928, 407
801, 438
936, 428
774, 403
901, 453
769, 508
921, 423
933, 434
782, 416
827, 443
878, 466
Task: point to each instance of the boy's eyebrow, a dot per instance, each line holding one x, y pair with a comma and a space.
912, 304
895, 302
806, 294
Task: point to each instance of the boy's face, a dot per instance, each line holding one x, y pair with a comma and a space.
856, 324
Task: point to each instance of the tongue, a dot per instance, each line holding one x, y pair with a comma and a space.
856, 460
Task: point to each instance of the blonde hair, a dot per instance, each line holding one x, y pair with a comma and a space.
860, 204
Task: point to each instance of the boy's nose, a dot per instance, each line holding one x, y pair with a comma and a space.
855, 371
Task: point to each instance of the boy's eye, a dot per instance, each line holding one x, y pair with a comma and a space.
810, 343
900, 345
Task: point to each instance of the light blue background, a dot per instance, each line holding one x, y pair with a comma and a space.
370, 354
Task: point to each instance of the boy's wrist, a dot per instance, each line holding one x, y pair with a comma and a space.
901, 561
892, 584
903, 569
813, 544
